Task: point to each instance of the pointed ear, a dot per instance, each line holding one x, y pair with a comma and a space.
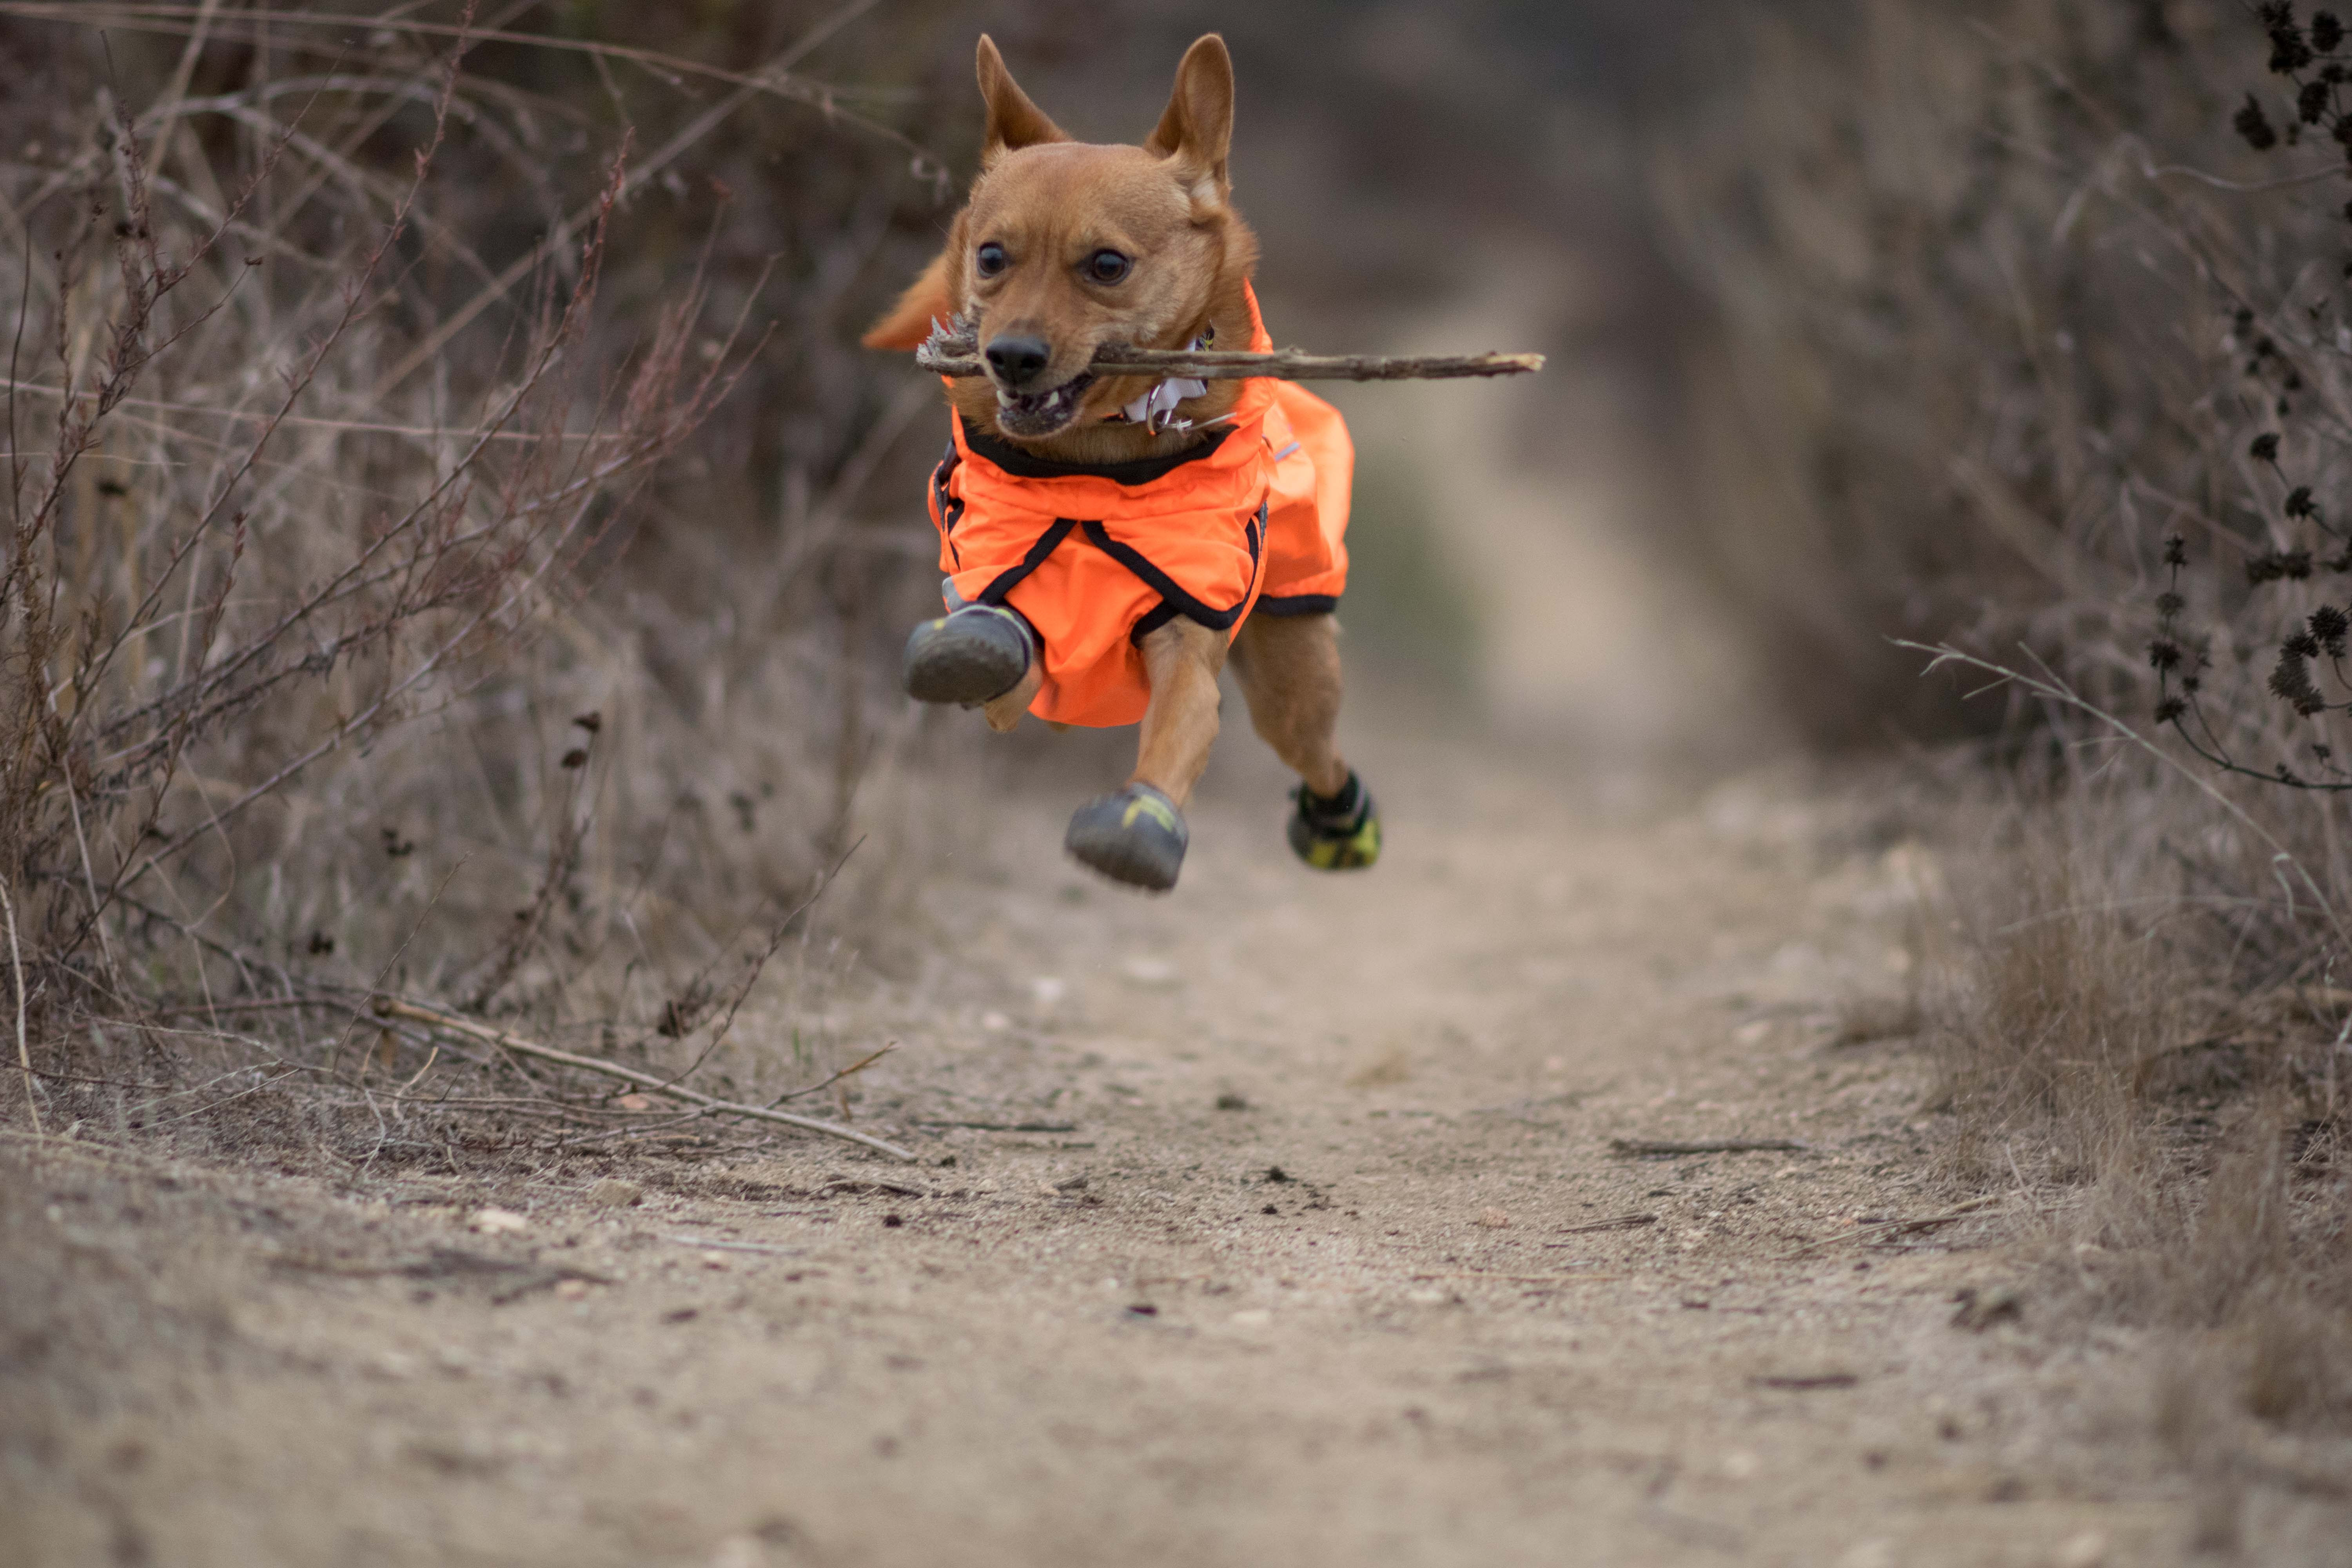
1197, 131
929, 297
1013, 122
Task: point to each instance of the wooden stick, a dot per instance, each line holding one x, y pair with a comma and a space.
1518, 1279
829, 1083
389, 1008
23, 1056
1622, 1222
1806, 1382
1885, 1227
1706, 1146
719, 1246
956, 357
1008, 1126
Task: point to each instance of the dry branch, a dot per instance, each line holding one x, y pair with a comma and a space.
957, 355
16, 967
718, 1246
1622, 1222
1881, 1228
1008, 1126
389, 1008
1652, 1148
1518, 1279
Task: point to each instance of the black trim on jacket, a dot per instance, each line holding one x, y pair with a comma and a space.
1139, 471
1004, 582
1173, 600
951, 507
1298, 604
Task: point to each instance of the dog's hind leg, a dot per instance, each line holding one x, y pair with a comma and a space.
1288, 666
1137, 835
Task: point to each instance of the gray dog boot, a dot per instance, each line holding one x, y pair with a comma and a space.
972, 655
1136, 835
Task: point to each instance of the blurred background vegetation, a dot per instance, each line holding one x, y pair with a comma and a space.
1870, 321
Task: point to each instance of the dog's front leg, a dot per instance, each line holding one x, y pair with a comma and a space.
1180, 661
1137, 835
1004, 712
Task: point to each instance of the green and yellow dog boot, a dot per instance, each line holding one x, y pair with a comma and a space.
1337, 833
974, 654
1135, 835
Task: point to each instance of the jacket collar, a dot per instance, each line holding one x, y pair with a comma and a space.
1136, 471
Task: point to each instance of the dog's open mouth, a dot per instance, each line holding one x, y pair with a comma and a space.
1040, 413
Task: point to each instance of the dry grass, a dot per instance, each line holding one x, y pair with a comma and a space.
2179, 1135
2010, 308
444, 549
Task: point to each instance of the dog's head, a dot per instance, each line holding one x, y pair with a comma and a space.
1064, 247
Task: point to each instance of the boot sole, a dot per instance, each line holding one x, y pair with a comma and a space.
1132, 837
1327, 850
952, 665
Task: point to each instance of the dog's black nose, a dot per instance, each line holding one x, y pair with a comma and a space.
1017, 360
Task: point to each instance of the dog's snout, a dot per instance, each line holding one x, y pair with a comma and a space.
1018, 359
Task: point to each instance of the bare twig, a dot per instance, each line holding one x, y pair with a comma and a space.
392, 1008
1895, 1227
856, 1066
1516, 1278
1008, 1126
2050, 689
23, 1055
738, 1245
1622, 1222
1641, 1148
957, 356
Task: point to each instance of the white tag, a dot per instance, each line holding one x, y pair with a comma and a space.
1156, 409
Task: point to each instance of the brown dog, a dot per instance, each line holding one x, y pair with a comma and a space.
1107, 539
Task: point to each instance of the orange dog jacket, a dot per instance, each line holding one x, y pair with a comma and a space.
1251, 521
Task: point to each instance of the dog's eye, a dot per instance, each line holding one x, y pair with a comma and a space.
991, 259
1107, 266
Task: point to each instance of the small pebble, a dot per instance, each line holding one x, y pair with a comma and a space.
2088, 1550
612, 1192
1152, 973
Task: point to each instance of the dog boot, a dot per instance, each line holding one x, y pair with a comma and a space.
1340, 833
972, 656
1136, 835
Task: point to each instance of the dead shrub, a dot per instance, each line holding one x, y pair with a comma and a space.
439, 557
2036, 332
2047, 1040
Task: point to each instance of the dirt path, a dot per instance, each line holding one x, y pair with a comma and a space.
1310, 1278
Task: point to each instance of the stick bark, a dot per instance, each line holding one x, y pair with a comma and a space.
956, 357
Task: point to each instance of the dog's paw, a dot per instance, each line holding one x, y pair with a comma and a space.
1136, 835
1341, 833
973, 656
